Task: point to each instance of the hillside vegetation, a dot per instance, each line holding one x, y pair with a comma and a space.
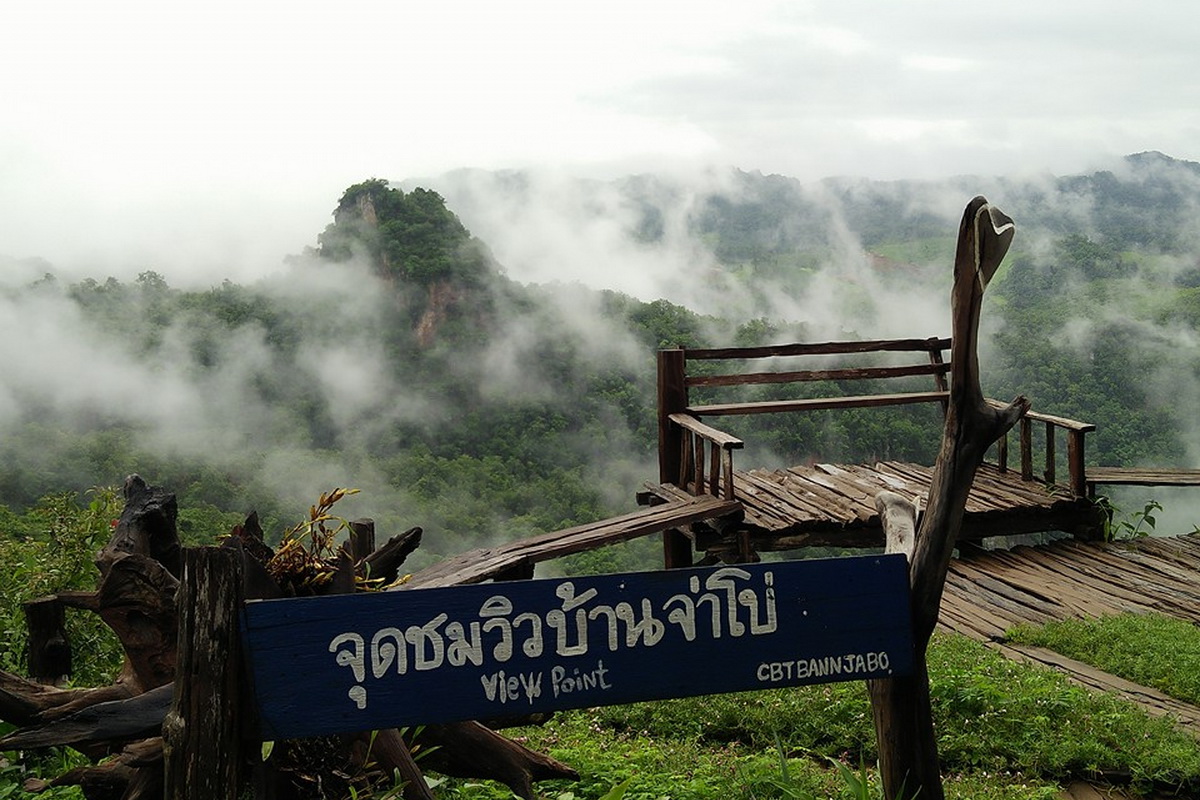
401, 355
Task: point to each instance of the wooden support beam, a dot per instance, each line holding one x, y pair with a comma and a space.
1075, 463
1026, 450
672, 399
673, 445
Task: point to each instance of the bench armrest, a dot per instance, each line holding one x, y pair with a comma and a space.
719, 438
700, 474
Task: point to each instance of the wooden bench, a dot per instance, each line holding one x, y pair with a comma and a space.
699, 458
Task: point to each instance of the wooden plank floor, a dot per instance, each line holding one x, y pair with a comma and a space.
834, 504
1142, 476
989, 593
486, 563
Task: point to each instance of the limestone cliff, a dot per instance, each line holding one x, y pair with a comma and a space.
438, 271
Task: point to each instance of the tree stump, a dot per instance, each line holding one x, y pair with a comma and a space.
49, 656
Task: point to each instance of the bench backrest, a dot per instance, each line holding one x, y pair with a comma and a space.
683, 437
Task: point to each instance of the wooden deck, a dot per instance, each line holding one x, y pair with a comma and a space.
833, 505
1135, 476
988, 594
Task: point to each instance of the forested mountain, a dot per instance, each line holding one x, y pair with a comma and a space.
482, 365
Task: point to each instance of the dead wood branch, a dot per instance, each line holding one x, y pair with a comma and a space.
901, 706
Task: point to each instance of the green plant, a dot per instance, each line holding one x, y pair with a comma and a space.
52, 551
857, 785
1136, 525
305, 557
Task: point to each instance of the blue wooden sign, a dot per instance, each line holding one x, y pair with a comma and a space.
381, 660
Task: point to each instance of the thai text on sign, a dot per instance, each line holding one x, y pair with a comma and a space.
377, 660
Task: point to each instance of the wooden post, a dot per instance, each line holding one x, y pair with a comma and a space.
1051, 473
49, 659
202, 734
362, 539
1026, 450
1075, 463
939, 379
672, 399
901, 707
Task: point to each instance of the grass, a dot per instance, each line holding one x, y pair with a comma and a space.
1149, 649
1007, 731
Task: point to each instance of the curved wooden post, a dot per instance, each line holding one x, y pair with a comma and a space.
903, 721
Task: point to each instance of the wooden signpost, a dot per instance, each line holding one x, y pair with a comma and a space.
371, 661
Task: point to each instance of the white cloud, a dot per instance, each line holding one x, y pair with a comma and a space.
211, 137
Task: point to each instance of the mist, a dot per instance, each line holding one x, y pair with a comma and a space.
304, 392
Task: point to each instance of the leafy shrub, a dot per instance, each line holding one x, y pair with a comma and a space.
48, 550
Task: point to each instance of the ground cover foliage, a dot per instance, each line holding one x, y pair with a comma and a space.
1006, 731
1150, 649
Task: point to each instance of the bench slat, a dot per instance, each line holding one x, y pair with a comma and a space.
818, 403
863, 373
824, 348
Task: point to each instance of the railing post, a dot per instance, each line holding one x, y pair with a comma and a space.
1026, 449
939, 378
1051, 473
672, 399
714, 469
202, 734
1075, 463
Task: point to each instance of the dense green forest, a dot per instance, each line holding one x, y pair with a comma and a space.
399, 356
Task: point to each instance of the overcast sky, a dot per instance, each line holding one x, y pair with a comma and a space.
212, 137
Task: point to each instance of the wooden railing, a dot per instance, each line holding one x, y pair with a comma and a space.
705, 458
1074, 431
699, 458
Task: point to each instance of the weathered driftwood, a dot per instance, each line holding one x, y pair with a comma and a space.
898, 515
49, 658
901, 706
202, 734
384, 564
182, 693
146, 527
129, 719
468, 749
